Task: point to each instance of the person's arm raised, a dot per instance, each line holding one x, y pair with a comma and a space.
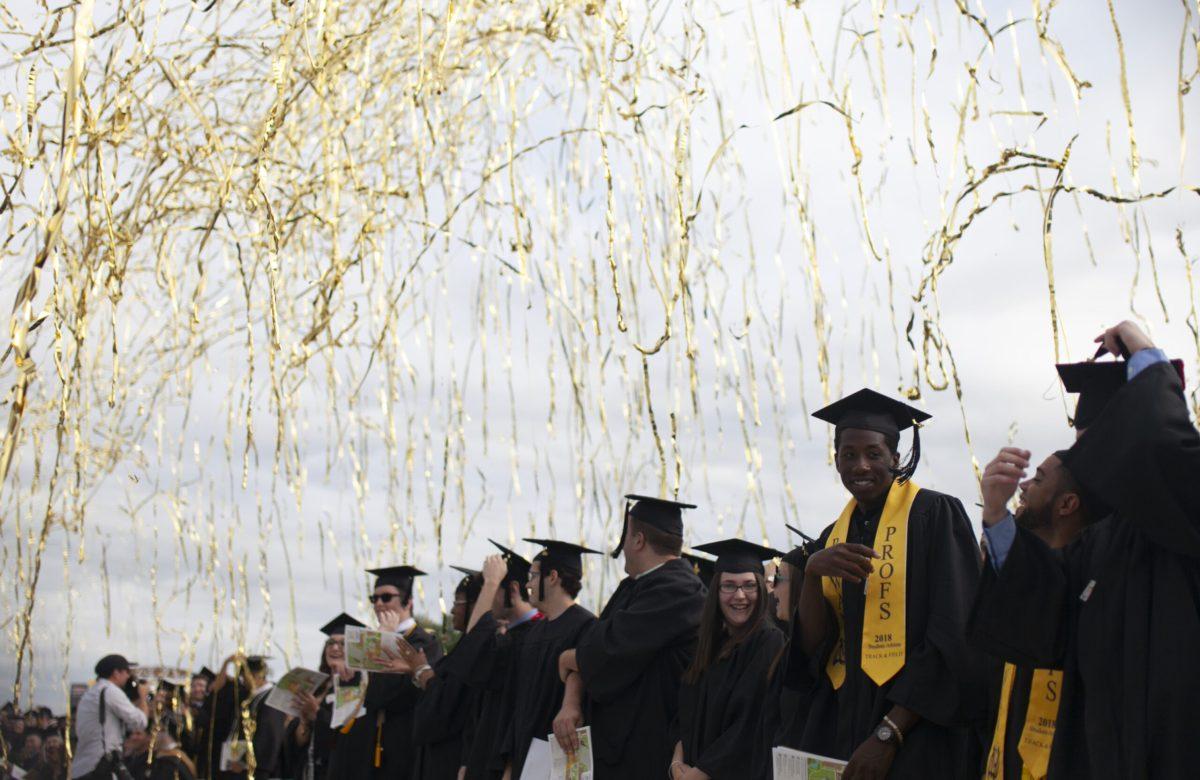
851, 563
494, 570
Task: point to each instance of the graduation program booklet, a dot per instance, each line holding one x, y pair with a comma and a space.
796, 765
365, 646
283, 696
577, 766
347, 701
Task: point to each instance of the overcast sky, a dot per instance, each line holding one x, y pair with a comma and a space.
566, 428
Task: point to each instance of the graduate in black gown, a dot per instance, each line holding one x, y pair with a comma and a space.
789, 690
535, 692
884, 608
506, 620
314, 740
724, 689
441, 718
380, 742
1118, 609
629, 663
221, 715
1025, 701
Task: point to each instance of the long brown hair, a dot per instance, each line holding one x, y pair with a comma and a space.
715, 639
795, 585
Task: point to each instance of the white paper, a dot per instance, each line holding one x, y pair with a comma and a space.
347, 701
574, 767
233, 755
537, 761
365, 648
796, 765
283, 696
16, 772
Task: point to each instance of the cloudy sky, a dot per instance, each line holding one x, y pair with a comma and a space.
510, 404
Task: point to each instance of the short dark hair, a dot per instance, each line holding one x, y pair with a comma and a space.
571, 583
660, 541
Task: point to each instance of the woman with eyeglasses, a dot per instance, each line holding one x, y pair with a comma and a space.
314, 740
722, 695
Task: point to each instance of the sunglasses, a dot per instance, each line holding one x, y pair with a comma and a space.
384, 598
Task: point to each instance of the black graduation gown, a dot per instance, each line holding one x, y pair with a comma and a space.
491, 679
1118, 610
784, 711
535, 693
631, 661
272, 736
387, 723
221, 714
444, 711
943, 680
720, 714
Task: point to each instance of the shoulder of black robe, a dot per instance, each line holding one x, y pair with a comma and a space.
271, 729
726, 704
1022, 613
440, 721
1142, 457
658, 610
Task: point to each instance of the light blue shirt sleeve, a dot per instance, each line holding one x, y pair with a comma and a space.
1000, 540
1142, 359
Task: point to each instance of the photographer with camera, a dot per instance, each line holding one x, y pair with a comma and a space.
104, 715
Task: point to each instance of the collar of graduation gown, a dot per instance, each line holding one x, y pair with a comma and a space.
406, 625
260, 689
528, 616
648, 571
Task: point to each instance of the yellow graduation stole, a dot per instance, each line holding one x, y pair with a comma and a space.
1037, 735
883, 631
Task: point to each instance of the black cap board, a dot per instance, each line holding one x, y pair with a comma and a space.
738, 556
465, 571
705, 568
661, 513
400, 577
206, 673
563, 557
567, 557
1096, 383
339, 623
872, 411
799, 533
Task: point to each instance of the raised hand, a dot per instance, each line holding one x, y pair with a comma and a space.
1000, 481
494, 569
1127, 333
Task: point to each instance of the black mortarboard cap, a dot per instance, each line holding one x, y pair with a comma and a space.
871, 411
1096, 383
518, 567
465, 571
738, 556
661, 513
566, 557
400, 577
339, 623
799, 533
705, 568
206, 673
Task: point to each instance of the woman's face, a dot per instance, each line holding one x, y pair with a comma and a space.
335, 649
738, 595
865, 463
783, 596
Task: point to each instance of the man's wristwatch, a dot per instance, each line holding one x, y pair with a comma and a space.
887, 735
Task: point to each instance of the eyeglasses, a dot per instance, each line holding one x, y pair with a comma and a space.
382, 597
335, 643
729, 588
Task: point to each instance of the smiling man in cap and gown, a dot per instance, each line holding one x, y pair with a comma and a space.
629, 663
884, 607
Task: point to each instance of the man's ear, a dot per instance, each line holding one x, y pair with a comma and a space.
1068, 504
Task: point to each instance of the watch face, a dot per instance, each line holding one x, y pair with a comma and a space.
884, 733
